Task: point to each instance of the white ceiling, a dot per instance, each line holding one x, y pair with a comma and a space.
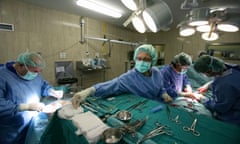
69, 6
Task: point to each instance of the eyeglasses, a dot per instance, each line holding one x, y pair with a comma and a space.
147, 59
33, 69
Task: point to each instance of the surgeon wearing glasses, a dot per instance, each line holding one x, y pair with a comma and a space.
21, 87
143, 80
175, 79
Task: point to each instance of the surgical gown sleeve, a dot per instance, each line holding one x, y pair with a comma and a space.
225, 101
133, 82
45, 88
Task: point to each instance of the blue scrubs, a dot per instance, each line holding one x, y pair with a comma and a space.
173, 82
13, 91
225, 101
133, 82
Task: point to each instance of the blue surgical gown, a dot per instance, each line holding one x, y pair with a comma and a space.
13, 91
173, 82
133, 82
225, 101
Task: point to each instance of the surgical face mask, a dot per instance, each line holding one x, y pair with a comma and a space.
142, 66
183, 71
29, 75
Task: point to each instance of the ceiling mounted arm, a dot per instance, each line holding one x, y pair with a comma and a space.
209, 21
154, 14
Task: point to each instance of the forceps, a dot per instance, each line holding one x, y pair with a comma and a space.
176, 119
157, 131
192, 128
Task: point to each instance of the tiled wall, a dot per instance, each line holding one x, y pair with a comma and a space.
53, 32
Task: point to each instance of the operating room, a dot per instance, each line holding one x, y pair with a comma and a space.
89, 66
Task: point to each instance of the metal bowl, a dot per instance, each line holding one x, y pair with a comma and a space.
112, 136
124, 115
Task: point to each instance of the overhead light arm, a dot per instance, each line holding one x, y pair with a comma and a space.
129, 20
155, 14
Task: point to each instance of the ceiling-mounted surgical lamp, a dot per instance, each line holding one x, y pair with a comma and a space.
203, 28
138, 24
230, 25
157, 16
130, 4
199, 16
210, 36
210, 21
186, 31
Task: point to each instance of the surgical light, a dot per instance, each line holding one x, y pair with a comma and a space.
149, 21
199, 16
102, 8
138, 24
157, 16
203, 28
210, 36
130, 4
210, 21
227, 27
186, 31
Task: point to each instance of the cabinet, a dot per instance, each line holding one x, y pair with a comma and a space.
89, 76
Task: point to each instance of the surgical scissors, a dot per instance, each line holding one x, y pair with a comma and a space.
161, 129
192, 128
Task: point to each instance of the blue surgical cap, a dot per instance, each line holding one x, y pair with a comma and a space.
206, 63
182, 59
32, 59
148, 48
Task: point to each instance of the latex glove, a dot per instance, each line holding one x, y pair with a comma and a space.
55, 93
188, 89
31, 107
202, 89
79, 97
205, 87
198, 96
187, 94
166, 98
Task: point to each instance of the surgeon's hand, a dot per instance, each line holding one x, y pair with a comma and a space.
31, 107
202, 89
55, 93
188, 89
198, 96
167, 98
187, 94
205, 87
79, 97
